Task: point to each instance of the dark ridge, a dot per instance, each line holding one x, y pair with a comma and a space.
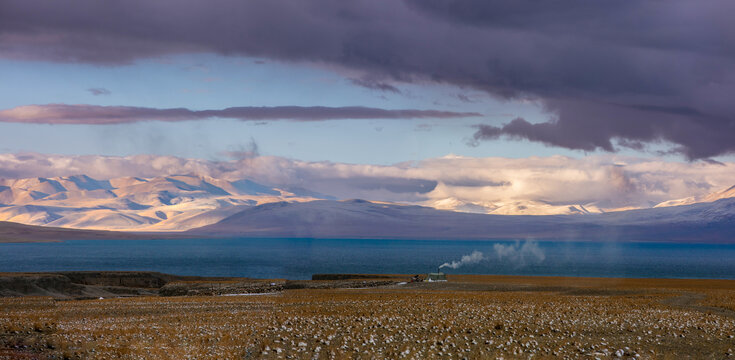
348, 276
19, 233
91, 284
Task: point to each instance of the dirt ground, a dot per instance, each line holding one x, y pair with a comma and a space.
472, 317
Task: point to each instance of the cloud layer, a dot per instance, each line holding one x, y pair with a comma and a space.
496, 185
609, 74
102, 115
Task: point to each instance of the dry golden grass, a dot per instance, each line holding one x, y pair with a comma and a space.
600, 283
366, 323
719, 299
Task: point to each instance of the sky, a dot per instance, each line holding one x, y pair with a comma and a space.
203, 82
371, 82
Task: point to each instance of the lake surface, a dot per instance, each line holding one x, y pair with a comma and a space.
300, 258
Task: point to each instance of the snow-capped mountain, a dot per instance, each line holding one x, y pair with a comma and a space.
711, 197
184, 202
168, 203
527, 207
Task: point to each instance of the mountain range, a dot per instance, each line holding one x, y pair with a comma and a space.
167, 203
193, 205
701, 222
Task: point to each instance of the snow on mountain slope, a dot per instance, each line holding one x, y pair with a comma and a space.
724, 194
83, 182
126, 182
512, 207
112, 220
47, 186
28, 214
538, 208
530, 207
194, 219
6, 195
454, 204
170, 203
722, 210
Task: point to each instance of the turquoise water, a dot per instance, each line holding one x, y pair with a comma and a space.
300, 258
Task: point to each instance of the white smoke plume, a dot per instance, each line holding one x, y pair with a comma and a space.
520, 254
470, 259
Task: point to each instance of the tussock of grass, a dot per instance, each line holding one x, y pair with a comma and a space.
370, 323
723, 299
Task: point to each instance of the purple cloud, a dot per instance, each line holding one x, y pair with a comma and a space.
642, 71
99, 91
104, 115
592, 126
373, 84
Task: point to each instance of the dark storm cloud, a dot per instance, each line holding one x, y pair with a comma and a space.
589, 126
637, 71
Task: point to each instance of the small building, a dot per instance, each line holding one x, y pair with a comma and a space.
436, 276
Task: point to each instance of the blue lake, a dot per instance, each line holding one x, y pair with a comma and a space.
300, 258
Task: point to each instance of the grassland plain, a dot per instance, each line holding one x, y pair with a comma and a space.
473, 317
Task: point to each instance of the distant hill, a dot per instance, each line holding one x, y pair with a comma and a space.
353, 219
706, 222
13, 232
